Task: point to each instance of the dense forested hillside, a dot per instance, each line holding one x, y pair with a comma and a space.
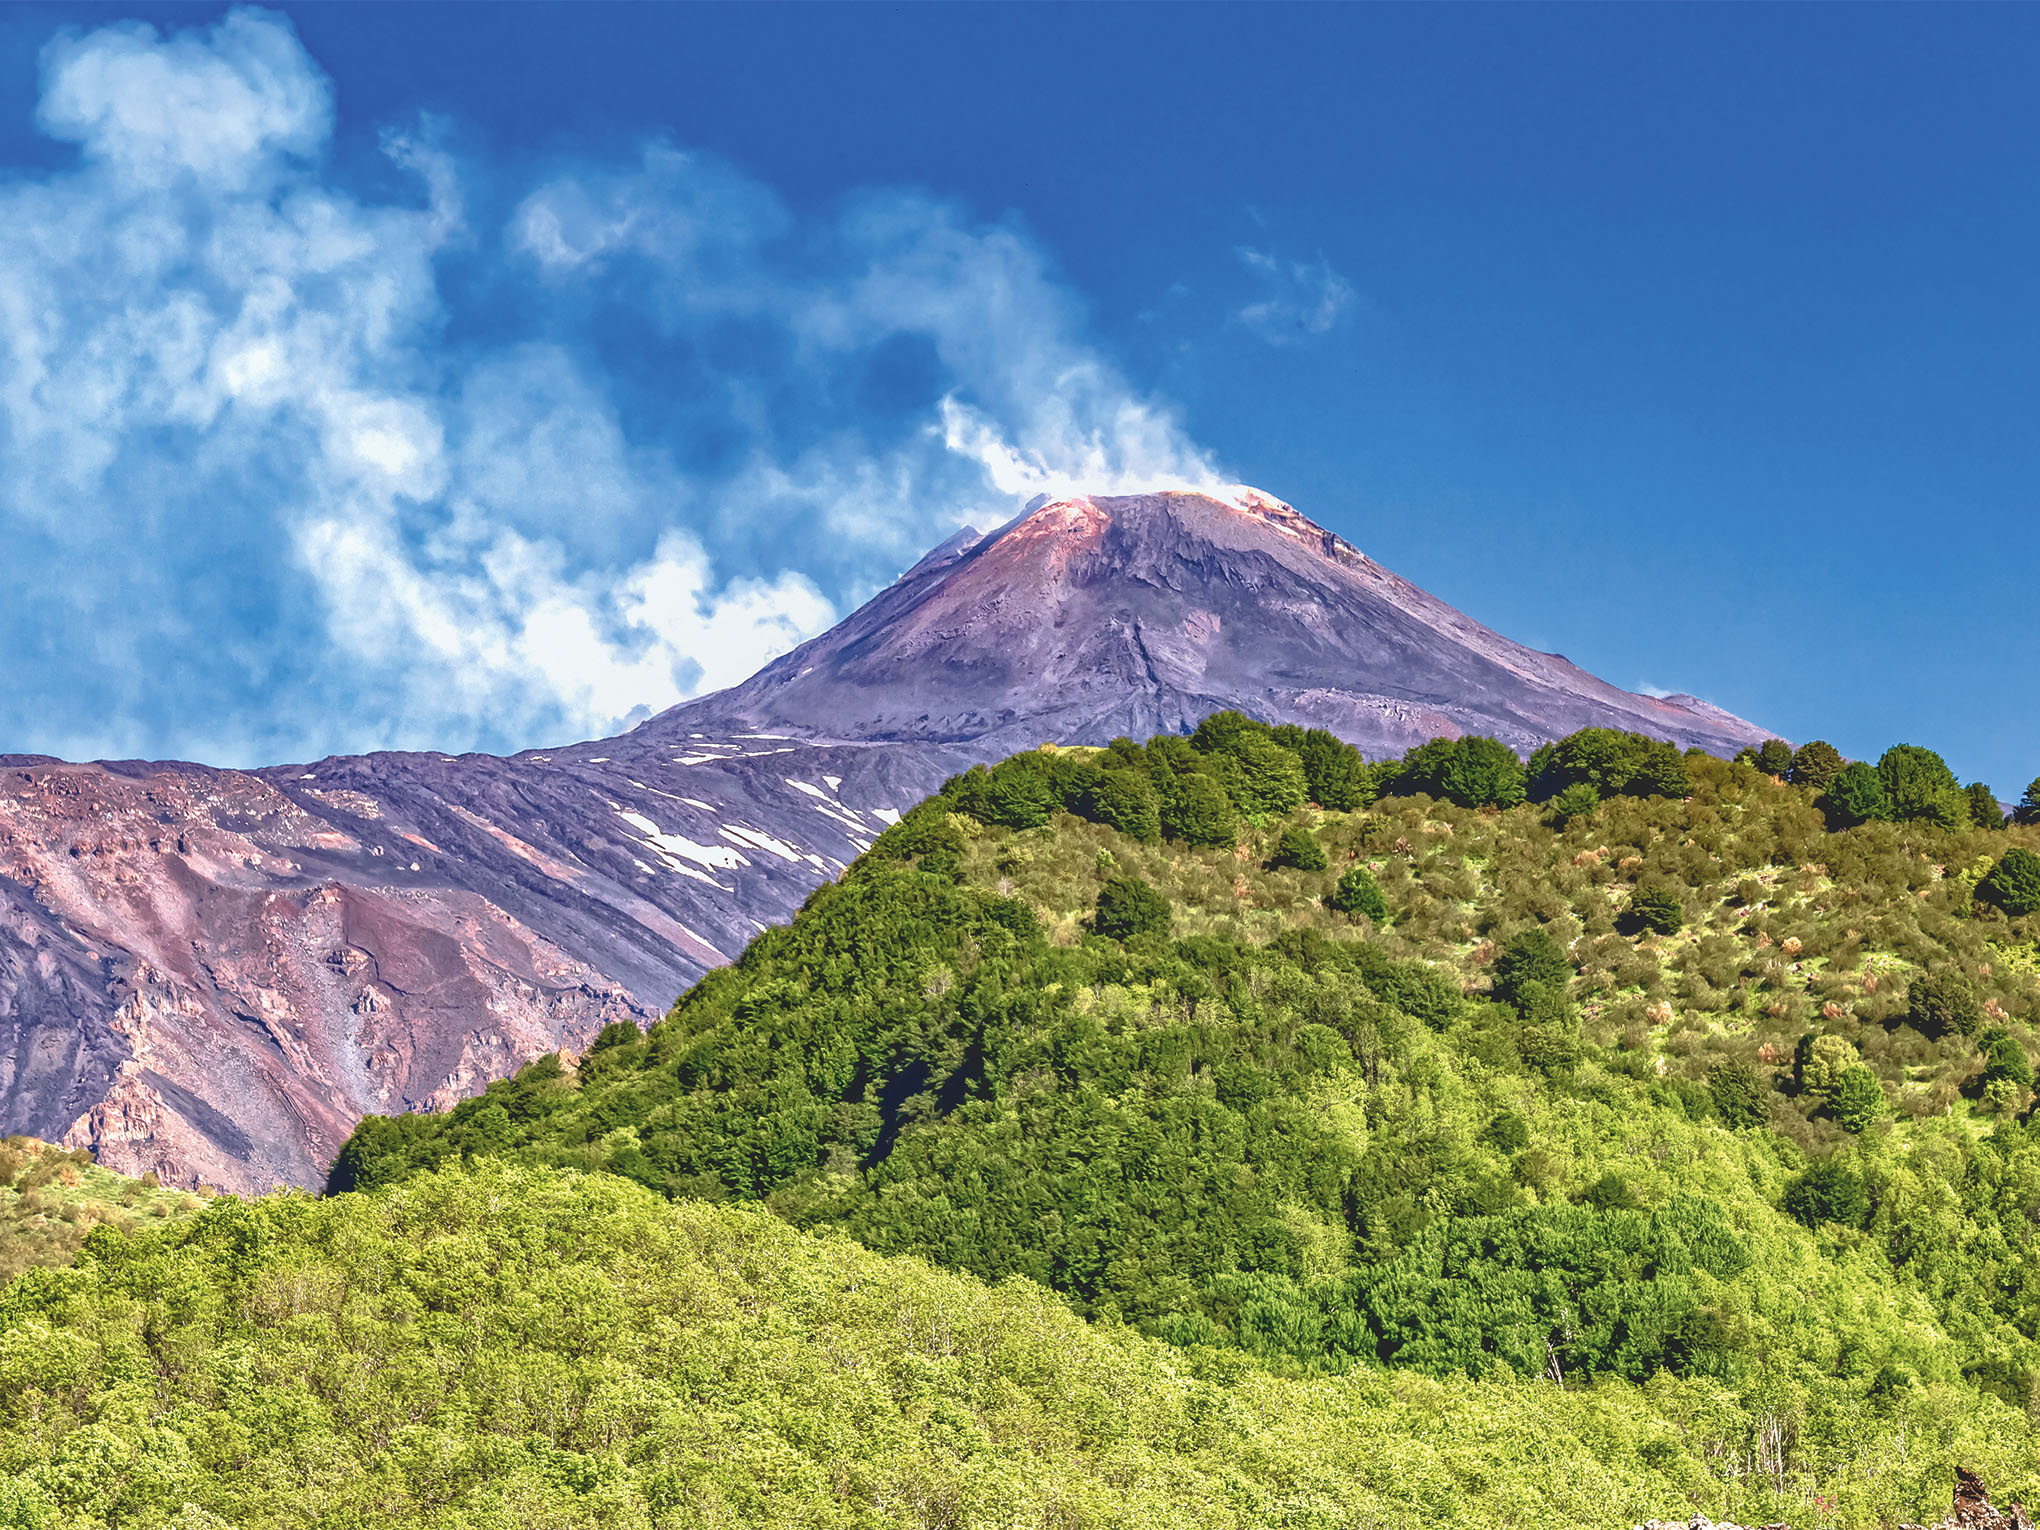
509, 1347
1632, 1069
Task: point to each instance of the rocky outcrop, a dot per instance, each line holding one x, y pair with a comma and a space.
213, 974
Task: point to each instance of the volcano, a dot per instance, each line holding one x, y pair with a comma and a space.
213, 974
1087, 617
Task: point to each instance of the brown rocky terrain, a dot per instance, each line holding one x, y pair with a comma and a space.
213, 974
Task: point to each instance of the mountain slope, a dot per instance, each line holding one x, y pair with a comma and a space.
1770, 1147
212, 974
1088, 618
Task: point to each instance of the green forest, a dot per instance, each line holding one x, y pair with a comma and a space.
1220, 1129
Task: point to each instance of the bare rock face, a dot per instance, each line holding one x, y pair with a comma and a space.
214, 974
1088, 618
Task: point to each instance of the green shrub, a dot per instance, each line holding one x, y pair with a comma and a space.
1919, 785
1855, 795
1857, 1099
1531, 957
1828, 1191
2004, 1058
1942, 1002
1298, 850
1653, 910
1358, 893
1740, 1097
1129, 906
1196, 811
1574, 801
2013, 884
1816, 764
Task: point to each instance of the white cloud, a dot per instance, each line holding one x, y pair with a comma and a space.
257, 504
1300, 300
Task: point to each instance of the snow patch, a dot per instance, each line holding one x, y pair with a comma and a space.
677, 849
758, 841
886, 815
835, 783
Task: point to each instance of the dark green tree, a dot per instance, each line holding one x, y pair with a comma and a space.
1828, 1192
1773, 758
1262, 778
1855, 794
1858, 1100
1130, 906
1338, 778
1653, 909
1576, 801
2004, 1058
1816, 764
1298, 850
2028, 810
1197, 811
1919, 786
1740, 1097
1223, 732
1984, 811
2013, 884
1942, 1002
1124, 799
1424, 766
1531, 957
1483, 773
1358, 893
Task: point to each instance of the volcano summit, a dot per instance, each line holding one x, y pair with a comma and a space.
1086, 618
213, 974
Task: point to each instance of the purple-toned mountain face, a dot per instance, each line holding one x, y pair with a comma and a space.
214, 974
1092, 617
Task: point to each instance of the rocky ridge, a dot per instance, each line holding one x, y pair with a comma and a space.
213, 974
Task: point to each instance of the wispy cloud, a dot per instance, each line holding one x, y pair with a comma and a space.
258, 503
1299, 300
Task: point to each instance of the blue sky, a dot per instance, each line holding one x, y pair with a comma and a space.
454, 376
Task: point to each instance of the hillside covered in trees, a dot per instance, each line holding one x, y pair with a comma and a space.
1624, 1068
1299, 1141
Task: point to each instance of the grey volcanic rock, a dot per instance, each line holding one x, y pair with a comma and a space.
1091, 617
214, 974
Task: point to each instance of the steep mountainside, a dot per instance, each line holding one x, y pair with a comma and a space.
1089, 618
213, 974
